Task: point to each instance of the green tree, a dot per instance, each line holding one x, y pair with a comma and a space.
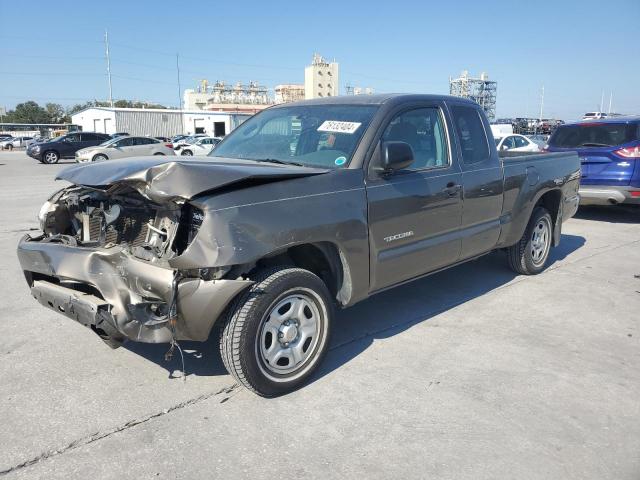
56, 112
28, 112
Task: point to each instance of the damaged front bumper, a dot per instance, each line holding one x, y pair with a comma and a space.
120, 296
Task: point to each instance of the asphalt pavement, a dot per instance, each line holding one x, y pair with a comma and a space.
472, 373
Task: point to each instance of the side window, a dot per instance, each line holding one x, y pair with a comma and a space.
88, 137
509, 143
72, 137
521, 142
125, 142
423, 129
473, 139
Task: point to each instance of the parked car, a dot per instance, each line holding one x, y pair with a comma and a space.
540, 140
177, 138
16, 142
594, 116
5, 136
609, 151
124, 147
516, 143
202, 146
190, 140
302, 207
65, 146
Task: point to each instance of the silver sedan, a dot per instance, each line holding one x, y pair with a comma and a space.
124, 147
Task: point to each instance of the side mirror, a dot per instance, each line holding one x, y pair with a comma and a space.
396, 156
504, 147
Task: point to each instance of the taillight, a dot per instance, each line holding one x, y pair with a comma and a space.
629, 152
170, 145
635, 194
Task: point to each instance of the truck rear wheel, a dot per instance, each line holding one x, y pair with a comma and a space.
529, 256
277, 332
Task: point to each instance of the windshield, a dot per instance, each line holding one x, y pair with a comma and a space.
310, 135
594, 135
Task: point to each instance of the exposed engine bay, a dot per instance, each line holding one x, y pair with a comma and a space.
121, 216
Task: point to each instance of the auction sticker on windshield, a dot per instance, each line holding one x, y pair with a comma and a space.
336, 126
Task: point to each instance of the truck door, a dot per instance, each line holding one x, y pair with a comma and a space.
414, 214
482, 180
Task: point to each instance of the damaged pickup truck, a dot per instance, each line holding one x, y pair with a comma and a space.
303, 208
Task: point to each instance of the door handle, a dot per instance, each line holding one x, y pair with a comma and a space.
452, 189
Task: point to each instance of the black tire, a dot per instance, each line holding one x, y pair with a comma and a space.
99, 158
158, 153
523, 258
248, 325
187, 153
10, 147
50, 157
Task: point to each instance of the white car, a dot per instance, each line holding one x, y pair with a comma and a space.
190, 140
124, 147
16, 142
516, 143
202, 147
594, 116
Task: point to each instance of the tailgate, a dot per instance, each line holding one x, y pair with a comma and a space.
605, 169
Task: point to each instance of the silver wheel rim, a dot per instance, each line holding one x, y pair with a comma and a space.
540, 241
187, 153
50, 157
290, 333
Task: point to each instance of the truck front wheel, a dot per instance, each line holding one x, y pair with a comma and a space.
529, 256
277, 332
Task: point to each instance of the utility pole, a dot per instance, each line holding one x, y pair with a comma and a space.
535, 130
106, 43
179, 92
602, 102
610, 100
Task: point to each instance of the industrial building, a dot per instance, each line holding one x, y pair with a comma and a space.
157, 122
291, 92
480, 90
321, 78
224, 97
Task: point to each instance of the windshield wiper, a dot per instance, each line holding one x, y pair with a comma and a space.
594, 145
281, 162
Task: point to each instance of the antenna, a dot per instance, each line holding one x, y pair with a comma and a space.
610, 100
106, 43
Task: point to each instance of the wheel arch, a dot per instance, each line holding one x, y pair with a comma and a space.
551, 200
324, 259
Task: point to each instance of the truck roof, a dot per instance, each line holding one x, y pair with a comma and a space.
377, 99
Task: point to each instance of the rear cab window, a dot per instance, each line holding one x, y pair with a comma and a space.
471, 134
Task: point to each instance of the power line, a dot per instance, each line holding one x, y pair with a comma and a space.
74, 74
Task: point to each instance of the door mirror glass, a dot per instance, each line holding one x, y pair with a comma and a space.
396, 155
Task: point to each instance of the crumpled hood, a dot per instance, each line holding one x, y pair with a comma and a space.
164, 179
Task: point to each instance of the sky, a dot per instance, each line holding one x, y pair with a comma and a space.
54, 51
